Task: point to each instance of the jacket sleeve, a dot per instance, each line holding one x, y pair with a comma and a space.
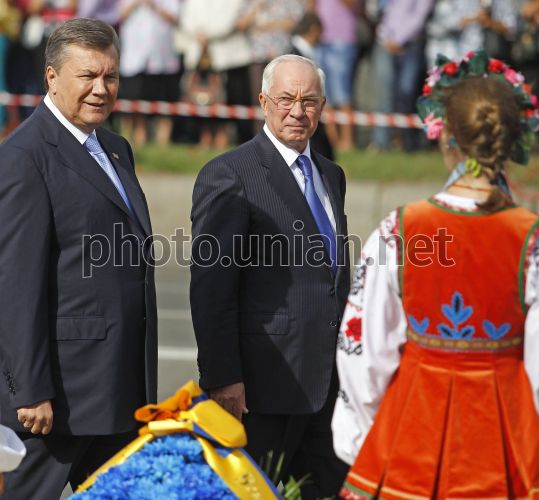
220, 218
25, 224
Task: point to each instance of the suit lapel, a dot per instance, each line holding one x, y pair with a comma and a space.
127, 176
75, 157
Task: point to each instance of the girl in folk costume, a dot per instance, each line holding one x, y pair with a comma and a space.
438, 353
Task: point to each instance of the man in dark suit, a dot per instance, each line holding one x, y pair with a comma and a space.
78, 339
269, 280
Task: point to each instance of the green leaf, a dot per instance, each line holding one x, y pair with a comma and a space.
478, 64
427, 105
441, 60
520, 155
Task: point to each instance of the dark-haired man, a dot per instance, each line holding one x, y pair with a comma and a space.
78, 323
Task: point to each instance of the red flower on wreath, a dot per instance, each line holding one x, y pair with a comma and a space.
353, 329
450, 68
496, 66
427, 89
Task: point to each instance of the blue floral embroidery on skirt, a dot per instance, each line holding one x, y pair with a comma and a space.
457, 314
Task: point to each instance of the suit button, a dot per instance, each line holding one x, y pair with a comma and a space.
332, 292
333, 324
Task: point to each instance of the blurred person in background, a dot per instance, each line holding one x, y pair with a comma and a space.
497, 20
205, 86
21, 77
104, 10
44, 16
149, 63
269, 25
212, 25
398, 60
9, 30
305, 37
337, 55
446, 33
525, 49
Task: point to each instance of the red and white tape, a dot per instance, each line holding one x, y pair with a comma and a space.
232, 112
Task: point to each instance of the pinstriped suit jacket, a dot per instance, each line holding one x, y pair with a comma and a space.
265, 305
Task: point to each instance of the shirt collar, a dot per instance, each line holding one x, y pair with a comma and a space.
289, 155
77, 132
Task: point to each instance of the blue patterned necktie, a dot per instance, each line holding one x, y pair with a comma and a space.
319, 213
95, 149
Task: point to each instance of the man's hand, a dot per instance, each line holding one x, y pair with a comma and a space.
1, 484
231, 398
36, 418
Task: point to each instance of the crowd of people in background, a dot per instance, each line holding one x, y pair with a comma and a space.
374, 53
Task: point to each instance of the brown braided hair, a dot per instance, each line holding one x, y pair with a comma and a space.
483, 115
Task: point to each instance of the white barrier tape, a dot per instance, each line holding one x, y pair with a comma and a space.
360, 118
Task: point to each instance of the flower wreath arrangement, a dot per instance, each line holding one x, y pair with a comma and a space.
446, 73
190, 448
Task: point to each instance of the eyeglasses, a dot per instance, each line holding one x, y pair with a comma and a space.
287, 103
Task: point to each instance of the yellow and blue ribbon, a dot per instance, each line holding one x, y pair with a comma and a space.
220, 435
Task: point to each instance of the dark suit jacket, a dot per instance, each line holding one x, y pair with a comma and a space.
269, 319
83, 336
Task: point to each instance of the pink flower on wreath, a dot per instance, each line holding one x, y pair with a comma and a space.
435, 73
353, 329
533, 99
469, 55
433, 126
513, 76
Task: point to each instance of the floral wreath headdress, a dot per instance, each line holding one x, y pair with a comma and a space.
446, 73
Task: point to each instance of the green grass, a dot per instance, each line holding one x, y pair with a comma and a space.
358, 164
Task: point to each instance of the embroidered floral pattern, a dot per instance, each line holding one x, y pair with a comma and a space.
358, 279
457, 314
349, 339
353, 329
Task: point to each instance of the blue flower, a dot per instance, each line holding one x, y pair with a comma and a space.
493, 332
457, 313
169, 467
419, 326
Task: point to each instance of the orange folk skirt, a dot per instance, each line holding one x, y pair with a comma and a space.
451, 426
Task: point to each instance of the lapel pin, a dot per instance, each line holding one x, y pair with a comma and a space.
115, 156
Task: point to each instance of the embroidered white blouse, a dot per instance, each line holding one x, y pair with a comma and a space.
366, 366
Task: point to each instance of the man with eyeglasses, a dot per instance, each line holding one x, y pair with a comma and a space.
269, 281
